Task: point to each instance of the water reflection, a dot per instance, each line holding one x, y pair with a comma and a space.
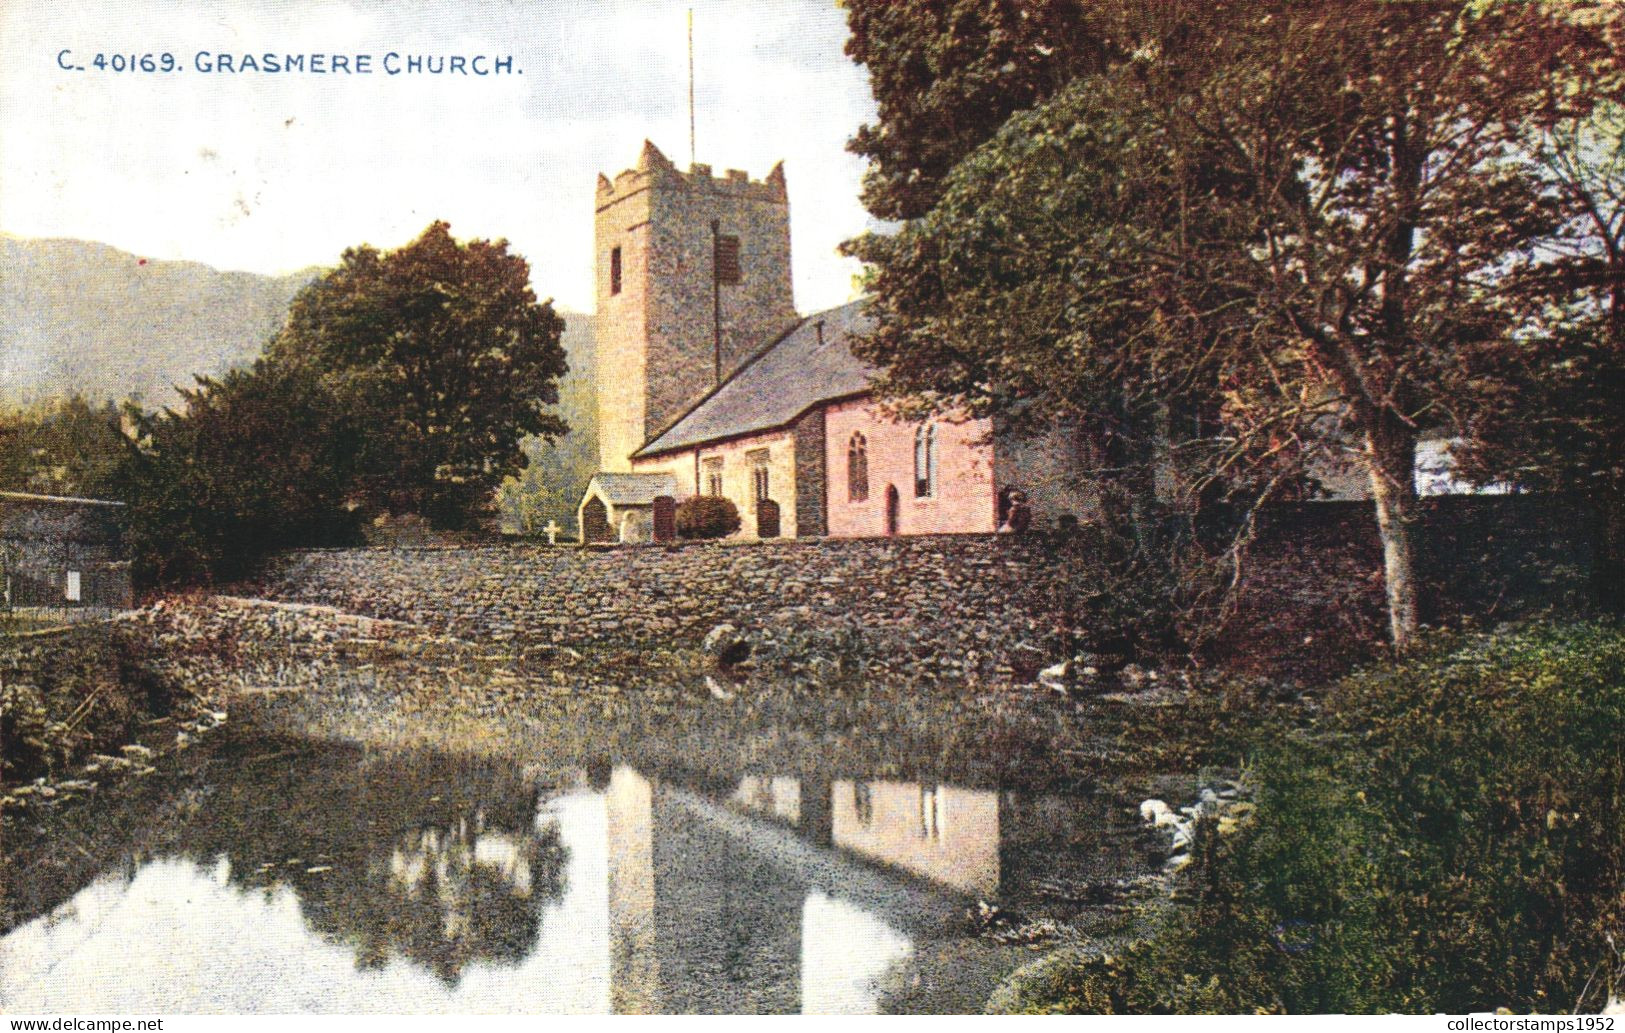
942, 833
346, 882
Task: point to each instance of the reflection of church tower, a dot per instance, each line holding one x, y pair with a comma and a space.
715, 904
692, 276
634, 967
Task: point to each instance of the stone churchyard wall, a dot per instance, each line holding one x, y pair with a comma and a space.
949, 604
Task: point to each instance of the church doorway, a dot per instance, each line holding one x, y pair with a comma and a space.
595, 522
665, 517
894, 511
767, 519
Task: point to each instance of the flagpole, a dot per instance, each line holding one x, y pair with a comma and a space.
693, 155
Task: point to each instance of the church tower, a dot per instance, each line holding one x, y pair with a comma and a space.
692, 278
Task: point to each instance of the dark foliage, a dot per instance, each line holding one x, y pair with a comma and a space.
706, 516
259, 460
1451, 840
444, 353
947, 73
67, 447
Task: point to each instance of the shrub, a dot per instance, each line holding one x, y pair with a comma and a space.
1451, 839
706, 516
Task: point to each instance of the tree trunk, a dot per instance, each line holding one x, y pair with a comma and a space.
1391, 455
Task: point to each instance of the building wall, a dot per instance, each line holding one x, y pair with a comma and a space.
737, 485
943, 833
620, 325
812, 475
963, 502
657, 352
45, 542
1049, 464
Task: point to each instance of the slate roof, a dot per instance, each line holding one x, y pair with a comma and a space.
781, 382
632, 489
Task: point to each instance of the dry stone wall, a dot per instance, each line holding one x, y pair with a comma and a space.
949, 606
959, 603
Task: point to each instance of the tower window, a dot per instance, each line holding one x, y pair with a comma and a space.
857, 469
727, 258
615, 270
925, 461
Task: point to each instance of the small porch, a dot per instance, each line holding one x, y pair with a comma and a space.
627, 507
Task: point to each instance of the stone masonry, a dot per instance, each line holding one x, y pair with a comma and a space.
942, 605
656, 354
947, 606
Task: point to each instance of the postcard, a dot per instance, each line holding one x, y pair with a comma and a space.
531, 508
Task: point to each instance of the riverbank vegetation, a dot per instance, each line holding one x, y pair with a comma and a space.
1448, 837
68, 694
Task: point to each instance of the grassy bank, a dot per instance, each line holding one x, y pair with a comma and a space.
83, 703
1448, 837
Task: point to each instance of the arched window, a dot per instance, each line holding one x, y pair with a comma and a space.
925, 461
857, 469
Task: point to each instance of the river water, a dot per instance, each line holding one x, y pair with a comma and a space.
286, 875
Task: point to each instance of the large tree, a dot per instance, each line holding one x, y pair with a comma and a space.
259, 460
444, 351
947, 73
1315, 211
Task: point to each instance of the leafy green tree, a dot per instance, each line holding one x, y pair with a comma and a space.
946, 74
259, 460
63, 447
1312, 213
443, 351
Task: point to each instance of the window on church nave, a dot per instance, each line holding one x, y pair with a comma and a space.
857, 469
758, 474
712, 468
925, 461
615, 270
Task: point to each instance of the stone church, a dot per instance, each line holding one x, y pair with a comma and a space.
709, 382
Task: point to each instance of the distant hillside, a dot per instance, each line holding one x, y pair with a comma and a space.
78, 316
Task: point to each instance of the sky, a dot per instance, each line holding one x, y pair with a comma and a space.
274, 173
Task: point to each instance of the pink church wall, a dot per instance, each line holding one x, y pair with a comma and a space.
963, 503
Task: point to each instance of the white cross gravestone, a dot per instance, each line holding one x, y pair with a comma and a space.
552, 530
